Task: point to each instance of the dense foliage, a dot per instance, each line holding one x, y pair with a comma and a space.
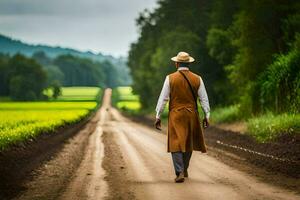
11, 46
246, 51
24, 78
280, 83
70, 70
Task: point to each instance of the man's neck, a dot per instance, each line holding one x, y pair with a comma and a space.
182, 68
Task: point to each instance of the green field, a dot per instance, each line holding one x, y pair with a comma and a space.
124, 99
77, 94
20, 121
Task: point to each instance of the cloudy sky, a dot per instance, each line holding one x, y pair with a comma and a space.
106, 26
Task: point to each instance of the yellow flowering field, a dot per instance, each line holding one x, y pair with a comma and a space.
20, 121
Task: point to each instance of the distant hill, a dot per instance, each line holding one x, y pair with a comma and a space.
12, 46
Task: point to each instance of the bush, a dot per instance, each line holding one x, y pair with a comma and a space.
280, 83
226, 114
56, 89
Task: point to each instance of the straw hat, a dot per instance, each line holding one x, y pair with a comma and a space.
183, 57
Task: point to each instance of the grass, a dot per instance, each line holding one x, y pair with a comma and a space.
264, 127
269, 126
21, 121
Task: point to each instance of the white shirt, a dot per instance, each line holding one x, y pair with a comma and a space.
165, 96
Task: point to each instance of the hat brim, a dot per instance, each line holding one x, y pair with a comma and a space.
175, 59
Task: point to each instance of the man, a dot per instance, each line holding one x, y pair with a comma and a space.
185, 133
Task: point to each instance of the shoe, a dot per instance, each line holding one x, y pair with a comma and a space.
180, 178
186, 174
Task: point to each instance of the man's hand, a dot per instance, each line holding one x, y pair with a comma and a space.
205, 123
157, 124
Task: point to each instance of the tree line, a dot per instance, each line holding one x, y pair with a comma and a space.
25, 78
247, 51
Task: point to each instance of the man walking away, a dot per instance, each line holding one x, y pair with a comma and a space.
185, 134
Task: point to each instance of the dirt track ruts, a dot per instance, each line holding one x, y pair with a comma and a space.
150, 172
122, 159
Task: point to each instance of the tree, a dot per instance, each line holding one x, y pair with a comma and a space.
21, 88
27, 79
4, 70
42, 58
279, 85
54, 74
219, 43
174, 26
234, 43
80, 71
56, 89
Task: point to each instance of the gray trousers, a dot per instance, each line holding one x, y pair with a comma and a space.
181, 161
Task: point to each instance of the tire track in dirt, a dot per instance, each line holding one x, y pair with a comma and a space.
149, 171
75, 171
112, 157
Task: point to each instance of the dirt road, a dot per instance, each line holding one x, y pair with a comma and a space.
126, 160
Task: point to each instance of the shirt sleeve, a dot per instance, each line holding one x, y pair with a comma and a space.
203, 99
163, 98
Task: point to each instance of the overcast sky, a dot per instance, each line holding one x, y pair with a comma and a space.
106, 26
